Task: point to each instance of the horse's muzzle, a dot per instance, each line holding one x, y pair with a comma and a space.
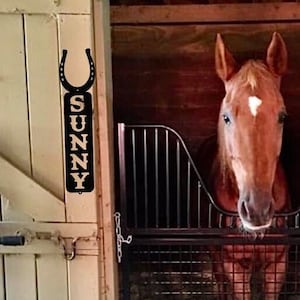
256, 213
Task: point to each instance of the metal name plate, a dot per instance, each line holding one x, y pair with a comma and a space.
78, 123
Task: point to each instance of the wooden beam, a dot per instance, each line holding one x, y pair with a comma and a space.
105, 168
27, 195
46, 6
209, 13
75, 35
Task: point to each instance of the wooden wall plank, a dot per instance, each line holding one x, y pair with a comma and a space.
14, 140
20, 270
84, 278
2, 277
52, 277
14, 134
212, 13
28, 196
46, 6
2, 268
75, 35
44, 102
104, 108
20, 275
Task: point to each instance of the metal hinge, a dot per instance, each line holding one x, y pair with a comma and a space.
119, 237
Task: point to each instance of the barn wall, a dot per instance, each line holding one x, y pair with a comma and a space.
33, 35
163, 69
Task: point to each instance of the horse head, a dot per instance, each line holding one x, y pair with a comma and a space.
250, 129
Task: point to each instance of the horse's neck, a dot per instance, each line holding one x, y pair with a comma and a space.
280, 190
226, 194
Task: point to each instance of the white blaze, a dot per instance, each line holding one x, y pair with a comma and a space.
254, 103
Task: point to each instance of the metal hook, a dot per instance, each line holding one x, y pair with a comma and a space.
72, 255
64, 81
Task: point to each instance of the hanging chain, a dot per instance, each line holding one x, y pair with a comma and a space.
120, 238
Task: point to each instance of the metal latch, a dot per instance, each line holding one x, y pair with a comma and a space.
25, 236
12, 240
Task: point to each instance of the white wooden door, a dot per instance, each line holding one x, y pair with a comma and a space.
34, 200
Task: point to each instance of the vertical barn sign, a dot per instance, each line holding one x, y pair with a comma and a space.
78, 119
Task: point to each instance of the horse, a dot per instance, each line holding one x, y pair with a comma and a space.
247, 174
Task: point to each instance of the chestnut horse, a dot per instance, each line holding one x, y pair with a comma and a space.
247, 175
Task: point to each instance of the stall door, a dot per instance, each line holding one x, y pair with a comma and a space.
60, 259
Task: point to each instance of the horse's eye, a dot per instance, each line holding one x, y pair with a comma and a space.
226, 119
281, 117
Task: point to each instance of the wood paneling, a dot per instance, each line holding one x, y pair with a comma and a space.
40, 204
235, 11
45, 7
44, 102
83, 279
14, 129
105, 153
31, 153
20, 277
52, 277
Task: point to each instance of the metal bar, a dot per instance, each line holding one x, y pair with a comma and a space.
156, 179
122, 174
146, 177
209, 214
178, 181
206, 231
12, 240
167, 180
133, 145
199, 203
220, 220
296, 264
214, 241
188, 194
297, 220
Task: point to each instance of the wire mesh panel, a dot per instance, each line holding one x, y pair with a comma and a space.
187, 272
170, 272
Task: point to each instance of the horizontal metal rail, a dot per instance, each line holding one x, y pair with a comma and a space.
217, 241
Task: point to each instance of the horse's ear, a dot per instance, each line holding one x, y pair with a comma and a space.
277, 55
224, 61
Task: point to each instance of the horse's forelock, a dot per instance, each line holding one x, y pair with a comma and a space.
252, 73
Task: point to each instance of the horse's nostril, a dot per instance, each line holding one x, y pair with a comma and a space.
244, 210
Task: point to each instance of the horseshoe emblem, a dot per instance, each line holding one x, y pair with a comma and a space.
78, 121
